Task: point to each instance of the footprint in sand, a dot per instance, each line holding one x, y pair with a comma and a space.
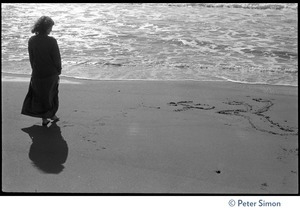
66, 124
285, 154
186, 105
264, 186
256, 117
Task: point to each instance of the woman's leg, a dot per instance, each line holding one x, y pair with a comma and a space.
45, 121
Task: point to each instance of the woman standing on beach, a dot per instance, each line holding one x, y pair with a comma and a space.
42, 97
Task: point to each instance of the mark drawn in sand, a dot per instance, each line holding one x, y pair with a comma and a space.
257, 119
186, 105
255, 115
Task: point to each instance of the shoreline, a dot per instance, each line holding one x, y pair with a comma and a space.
156, 137
14, 77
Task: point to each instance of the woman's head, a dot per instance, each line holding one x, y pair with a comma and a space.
43, 25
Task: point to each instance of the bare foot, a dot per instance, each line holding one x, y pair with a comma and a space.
55, 118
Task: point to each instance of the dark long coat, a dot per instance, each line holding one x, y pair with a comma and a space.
42, 97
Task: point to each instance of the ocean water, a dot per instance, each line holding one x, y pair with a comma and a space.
251, 43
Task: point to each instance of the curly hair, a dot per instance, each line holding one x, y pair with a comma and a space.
42, 25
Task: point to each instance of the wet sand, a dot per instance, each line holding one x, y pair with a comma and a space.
153, 137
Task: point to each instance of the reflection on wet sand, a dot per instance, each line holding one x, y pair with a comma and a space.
49, 150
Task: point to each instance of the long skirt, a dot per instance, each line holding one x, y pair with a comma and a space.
42, 98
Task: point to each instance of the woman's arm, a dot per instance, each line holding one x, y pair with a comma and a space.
30, 53
56, 57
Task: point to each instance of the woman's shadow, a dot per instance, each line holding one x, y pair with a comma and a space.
49, 150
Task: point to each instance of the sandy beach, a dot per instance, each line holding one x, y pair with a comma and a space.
153, 137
